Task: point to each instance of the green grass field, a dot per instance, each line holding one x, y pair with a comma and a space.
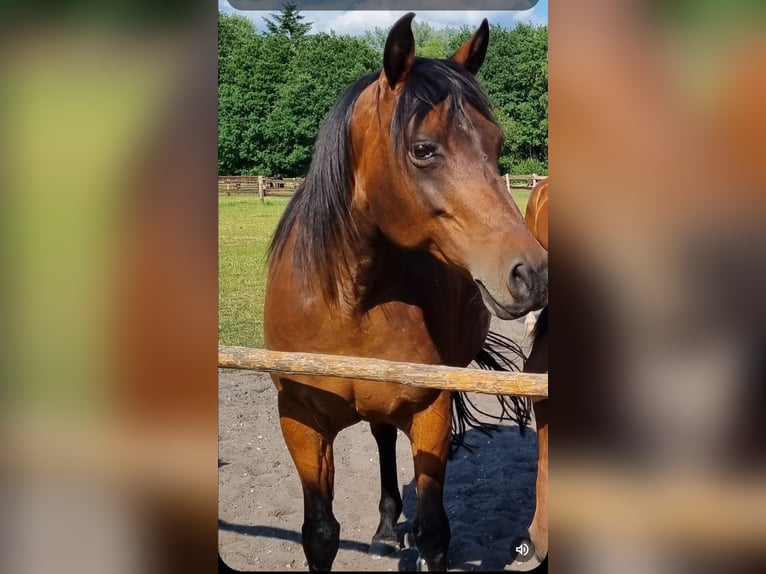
245, 227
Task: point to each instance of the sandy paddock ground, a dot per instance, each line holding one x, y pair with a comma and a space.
489, 492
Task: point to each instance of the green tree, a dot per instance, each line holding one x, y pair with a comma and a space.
324, 66
515, 74
238, 54
234, 34
456, 37
288, 22
251, 68
423, 33
276, 88
376, 38
429, 42
434, 47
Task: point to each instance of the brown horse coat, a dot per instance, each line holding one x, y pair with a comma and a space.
400, 239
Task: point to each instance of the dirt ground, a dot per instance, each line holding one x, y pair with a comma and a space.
489, 492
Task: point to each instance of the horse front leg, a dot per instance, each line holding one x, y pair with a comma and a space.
312, 454
385, 540
430, 435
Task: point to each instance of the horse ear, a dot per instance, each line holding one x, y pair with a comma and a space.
399, 53
471, 54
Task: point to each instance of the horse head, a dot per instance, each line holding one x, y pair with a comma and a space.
425, 148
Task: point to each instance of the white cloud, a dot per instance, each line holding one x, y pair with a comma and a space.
529, 16
454, 18
352, 22
356, 22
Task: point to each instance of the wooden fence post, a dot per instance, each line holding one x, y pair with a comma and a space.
260, 188
508, 183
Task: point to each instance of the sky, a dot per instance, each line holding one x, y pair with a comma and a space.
355, 22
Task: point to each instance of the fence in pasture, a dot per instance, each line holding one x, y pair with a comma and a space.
522, 181
263, 185
258, 184
413, 374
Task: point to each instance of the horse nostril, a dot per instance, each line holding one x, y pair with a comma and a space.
528, 282
520, 281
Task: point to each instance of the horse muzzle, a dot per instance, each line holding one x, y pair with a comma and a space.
528, 284
526, 290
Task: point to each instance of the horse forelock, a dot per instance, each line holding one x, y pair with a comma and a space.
430, 83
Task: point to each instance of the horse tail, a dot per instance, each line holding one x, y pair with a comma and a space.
498, 353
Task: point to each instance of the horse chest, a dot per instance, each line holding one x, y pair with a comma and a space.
409, 332
422, 312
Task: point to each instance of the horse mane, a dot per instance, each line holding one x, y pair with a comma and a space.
320, 210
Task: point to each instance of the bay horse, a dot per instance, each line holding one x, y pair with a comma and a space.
398, 244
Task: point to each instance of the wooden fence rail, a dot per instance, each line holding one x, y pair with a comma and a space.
263, 185
258, 184
522, 181
414, 374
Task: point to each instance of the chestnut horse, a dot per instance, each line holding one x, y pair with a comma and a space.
537, 220
400, 239
537, 212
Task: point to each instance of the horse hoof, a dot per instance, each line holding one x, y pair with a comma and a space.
379, 548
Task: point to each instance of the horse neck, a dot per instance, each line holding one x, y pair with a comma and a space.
372, 261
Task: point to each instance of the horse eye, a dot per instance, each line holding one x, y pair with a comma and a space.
423, 151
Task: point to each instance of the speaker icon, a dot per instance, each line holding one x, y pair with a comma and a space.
522, 549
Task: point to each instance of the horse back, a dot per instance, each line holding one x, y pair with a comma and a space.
537, 212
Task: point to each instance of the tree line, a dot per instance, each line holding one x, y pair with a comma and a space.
276, 87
